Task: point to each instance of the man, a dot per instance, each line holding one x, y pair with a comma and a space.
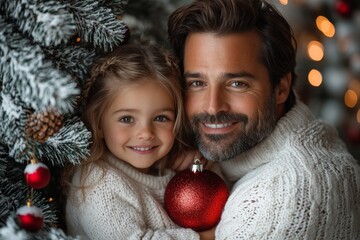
292, 176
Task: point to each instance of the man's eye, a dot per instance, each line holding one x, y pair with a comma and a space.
195, 84
126, 119
238, 84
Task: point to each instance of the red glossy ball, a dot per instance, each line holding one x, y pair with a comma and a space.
30, 218
37, 175
196, 199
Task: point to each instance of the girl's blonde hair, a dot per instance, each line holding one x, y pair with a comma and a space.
130, 64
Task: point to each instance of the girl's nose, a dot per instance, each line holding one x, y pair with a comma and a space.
145, 132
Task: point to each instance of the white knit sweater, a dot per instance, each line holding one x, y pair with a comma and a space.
124, 204
299, 183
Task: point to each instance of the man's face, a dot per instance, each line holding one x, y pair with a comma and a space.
229, 98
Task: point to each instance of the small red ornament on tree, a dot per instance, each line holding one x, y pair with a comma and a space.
37, 175
195, 198
30, 217
344, 8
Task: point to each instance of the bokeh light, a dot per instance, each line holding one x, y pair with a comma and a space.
315, 50
315, 78
350, 98
325, 26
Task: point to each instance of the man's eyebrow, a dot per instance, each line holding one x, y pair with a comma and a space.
224, 75
237, 75
192, 75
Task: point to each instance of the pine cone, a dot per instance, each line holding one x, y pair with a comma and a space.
42, 125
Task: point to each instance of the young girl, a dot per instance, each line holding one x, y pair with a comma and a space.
135, 112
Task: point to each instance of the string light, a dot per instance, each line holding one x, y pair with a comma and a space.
315, 50
325, 26
350, 98
315, 78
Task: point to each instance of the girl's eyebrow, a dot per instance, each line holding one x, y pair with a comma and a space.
168, 109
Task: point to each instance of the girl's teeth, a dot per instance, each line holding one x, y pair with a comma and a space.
141, 149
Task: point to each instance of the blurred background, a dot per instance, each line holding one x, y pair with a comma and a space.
328, 61
328, 57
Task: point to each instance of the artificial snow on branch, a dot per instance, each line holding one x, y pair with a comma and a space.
26, 71
47, 22
98, 25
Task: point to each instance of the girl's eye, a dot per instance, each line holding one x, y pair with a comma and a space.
126, 119
161, 118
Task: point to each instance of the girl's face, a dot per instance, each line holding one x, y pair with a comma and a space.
138, 125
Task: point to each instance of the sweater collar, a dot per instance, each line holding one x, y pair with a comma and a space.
268, 149
157, 182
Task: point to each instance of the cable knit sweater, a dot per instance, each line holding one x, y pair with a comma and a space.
124, 204
299, 183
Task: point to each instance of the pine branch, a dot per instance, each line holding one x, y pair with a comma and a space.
70, 144
149, 19
116, 6
11, 189
74, 60
47, 22
13, 117
35, 79
98, 25
13, 231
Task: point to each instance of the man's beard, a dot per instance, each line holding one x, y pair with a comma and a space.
222, 147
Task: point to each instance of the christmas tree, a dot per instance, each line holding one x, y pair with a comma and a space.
46, 49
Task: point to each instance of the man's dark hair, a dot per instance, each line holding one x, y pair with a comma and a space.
238, 16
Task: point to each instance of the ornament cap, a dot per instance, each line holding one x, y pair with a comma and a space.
197, 166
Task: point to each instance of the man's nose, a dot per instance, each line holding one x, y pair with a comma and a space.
216, 101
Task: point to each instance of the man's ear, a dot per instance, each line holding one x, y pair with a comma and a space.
282, 91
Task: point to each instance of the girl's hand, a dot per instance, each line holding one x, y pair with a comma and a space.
184, 161
208, 234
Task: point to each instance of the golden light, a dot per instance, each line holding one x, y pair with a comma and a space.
350, 98
315, 78
315, 50
283, 2
325, 26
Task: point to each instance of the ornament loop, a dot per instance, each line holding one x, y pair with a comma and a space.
197, 166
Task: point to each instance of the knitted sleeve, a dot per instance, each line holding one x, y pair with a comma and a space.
254, 211
114, 210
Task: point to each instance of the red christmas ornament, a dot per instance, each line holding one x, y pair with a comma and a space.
30, 218
344, 8
37, 175
353, 133
195, 198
